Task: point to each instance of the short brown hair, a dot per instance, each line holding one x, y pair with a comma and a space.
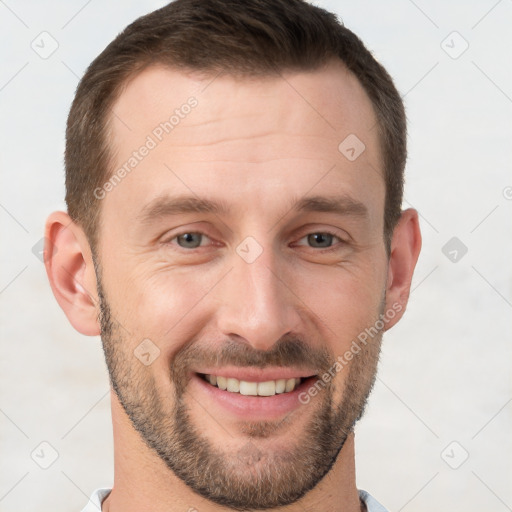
238, 37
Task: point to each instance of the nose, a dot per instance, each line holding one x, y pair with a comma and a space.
257, 305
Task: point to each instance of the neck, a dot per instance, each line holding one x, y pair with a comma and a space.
141, 477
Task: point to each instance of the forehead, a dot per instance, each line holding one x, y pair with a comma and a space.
331, 98
244, 134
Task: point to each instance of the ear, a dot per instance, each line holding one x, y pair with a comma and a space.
405, 249
68, 262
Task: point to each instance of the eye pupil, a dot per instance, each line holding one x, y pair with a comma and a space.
320, 239
190, 240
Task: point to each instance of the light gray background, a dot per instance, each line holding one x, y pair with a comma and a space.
445, 370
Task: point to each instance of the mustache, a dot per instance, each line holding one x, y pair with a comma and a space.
288, 351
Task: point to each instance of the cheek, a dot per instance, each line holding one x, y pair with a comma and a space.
345, 302
164, 305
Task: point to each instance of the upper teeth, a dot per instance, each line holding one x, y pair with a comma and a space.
268, 388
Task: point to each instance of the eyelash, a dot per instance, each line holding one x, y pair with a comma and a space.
334, 247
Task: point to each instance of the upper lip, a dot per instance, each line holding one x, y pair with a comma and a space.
250, 374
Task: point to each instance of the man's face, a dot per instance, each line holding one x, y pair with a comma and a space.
247, 246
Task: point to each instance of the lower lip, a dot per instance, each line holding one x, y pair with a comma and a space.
252, 407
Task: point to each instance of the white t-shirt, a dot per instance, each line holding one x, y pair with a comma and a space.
95, 501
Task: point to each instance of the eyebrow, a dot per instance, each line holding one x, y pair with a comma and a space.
164, 206
341, 205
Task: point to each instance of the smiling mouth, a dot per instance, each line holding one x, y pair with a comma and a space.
242, 387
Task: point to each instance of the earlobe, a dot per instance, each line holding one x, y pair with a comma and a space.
405, 250
70, 269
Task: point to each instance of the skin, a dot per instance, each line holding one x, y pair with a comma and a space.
259, 146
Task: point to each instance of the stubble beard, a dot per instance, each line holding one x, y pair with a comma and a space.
252, 477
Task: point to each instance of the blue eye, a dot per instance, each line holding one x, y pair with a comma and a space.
189, 240
320, 240
316, 240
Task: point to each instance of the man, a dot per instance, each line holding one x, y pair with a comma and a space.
234, 176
